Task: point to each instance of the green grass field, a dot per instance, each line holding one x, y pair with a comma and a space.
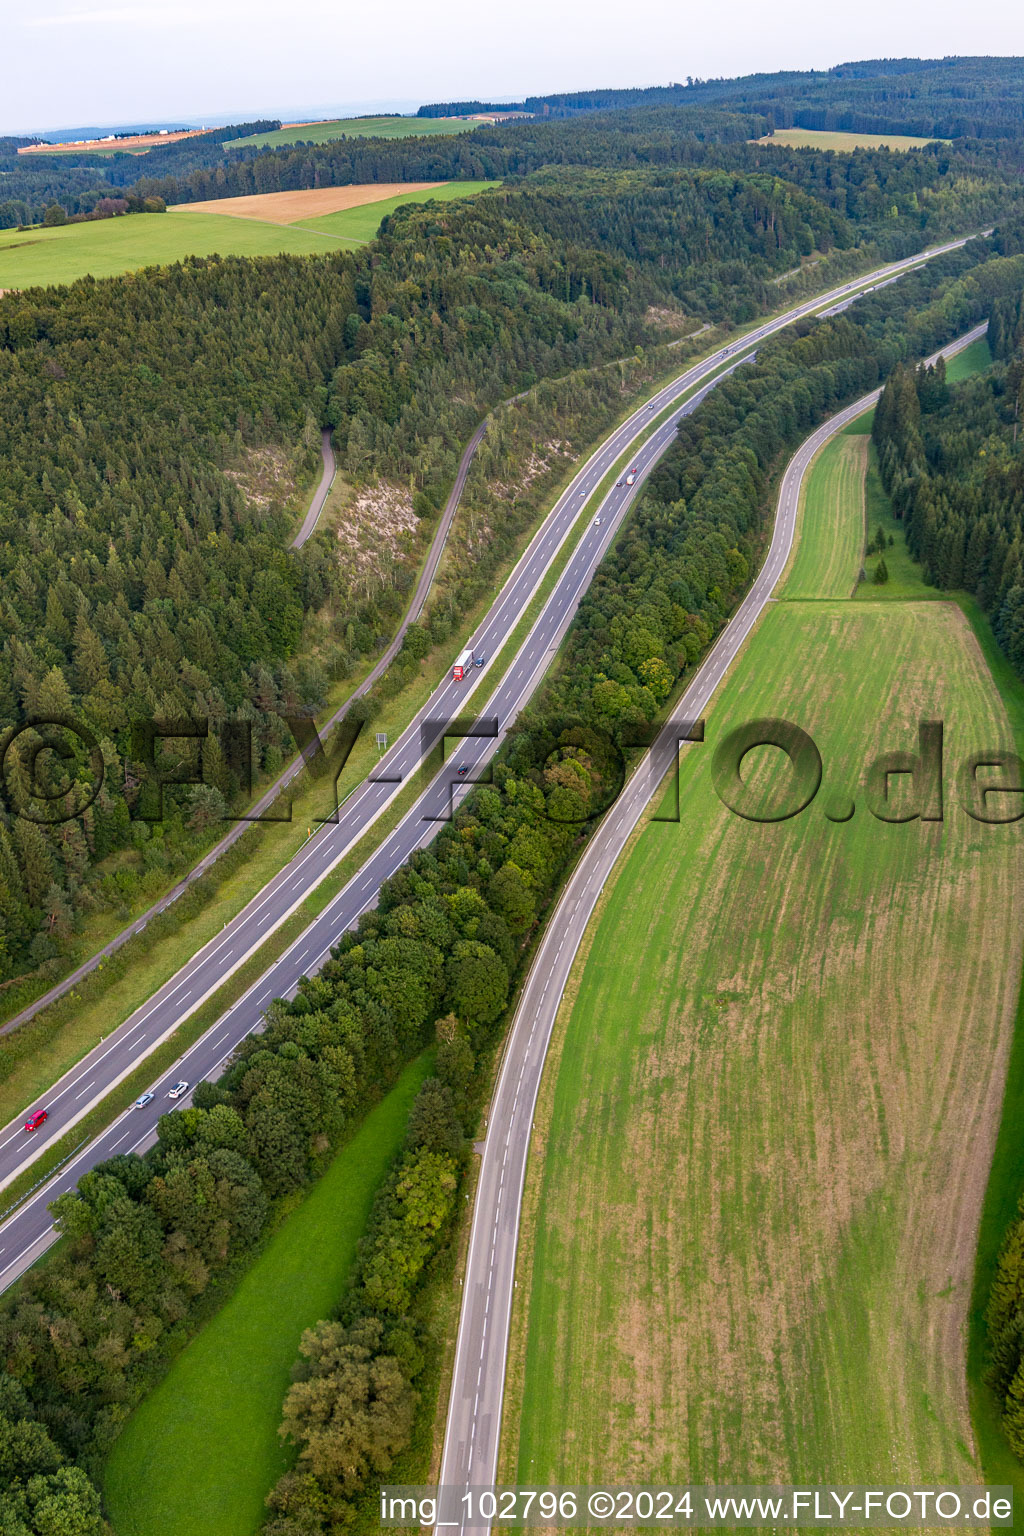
906, 579
829, 544
973, 359
361, 224
202, 1451
813, 138
763, 1143
355, 127
106, 247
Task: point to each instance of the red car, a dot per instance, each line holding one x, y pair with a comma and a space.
35, 1121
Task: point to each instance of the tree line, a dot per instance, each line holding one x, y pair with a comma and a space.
943, 98
916, 190
76, 181
928, 98
951, 461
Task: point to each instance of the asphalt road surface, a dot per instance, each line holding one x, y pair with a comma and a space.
316, 506
470, 1453
850, 290
29, 1229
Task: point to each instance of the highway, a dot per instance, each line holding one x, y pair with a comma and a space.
470, 1454
28, 1231
846, 294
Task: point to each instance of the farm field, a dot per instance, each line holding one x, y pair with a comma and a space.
202, 1451
362, 223
829, 545
814, 138
263, 225
133, 144
353, 127
785, 1104
106, 247
290, 207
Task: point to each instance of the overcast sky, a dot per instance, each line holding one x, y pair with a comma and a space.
70, 62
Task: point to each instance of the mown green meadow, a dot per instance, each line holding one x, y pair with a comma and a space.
830, 542
820, 138
767, 1124
107, 247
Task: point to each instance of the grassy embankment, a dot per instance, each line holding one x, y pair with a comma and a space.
751, 1259
202, 1451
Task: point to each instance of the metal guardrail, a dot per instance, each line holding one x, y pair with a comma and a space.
44, 1180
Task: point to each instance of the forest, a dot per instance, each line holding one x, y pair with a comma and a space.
153, 1242
947, 98
627, 135
143, 582
952, 462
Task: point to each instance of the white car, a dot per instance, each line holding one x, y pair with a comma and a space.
144, 1099
178, 1089
597, 522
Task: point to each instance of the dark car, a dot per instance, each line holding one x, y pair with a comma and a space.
35, 1121
463, 769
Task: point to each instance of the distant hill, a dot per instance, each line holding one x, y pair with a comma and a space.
949, 98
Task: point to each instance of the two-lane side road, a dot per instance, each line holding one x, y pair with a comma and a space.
470, 1454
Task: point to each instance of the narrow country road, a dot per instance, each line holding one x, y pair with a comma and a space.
316, 506
470, 1455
